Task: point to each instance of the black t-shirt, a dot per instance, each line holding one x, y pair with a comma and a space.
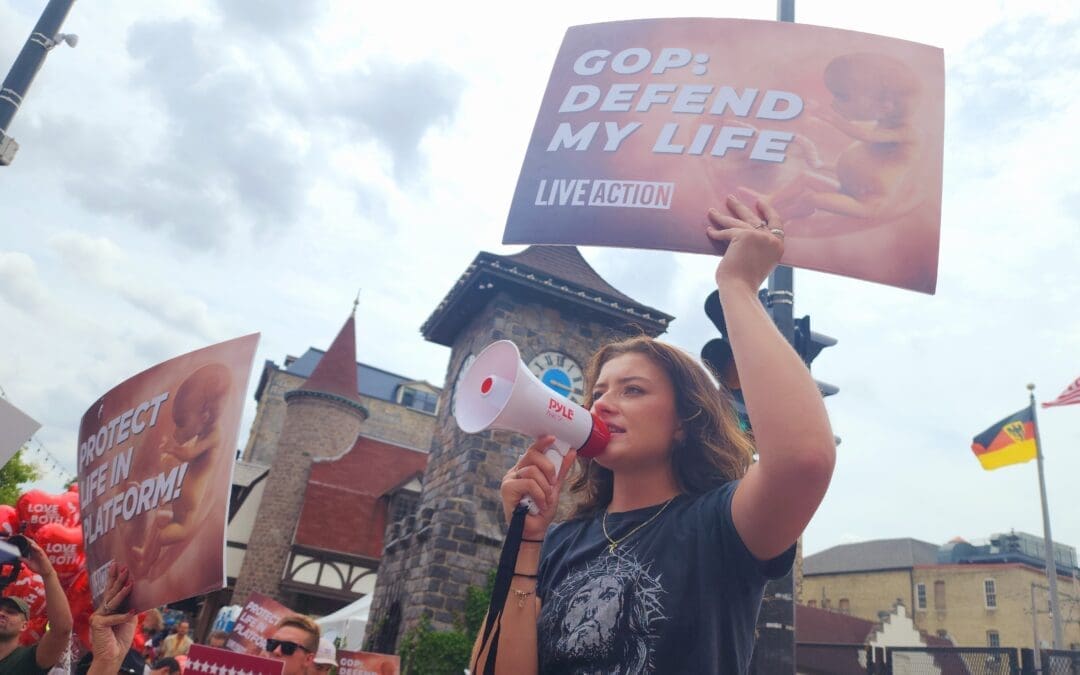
681, 595
22, 661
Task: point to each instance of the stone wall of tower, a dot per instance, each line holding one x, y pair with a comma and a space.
455, 539
315, 425
389, 422
270, 416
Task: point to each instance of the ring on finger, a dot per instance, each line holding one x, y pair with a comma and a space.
777, 232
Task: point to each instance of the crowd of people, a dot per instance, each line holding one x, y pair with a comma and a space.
163, 649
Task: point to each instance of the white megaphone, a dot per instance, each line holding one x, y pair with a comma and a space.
499, 392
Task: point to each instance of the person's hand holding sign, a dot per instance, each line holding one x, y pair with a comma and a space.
751, 243
111, 632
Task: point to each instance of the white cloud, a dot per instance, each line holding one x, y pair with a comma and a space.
19, 283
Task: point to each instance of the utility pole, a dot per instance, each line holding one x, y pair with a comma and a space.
46, 35
774, 652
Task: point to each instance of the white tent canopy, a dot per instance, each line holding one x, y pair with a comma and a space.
346, 626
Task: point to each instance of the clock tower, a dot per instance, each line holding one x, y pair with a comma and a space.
558, 311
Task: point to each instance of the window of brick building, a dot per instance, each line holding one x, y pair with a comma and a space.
990, 590
993, 639
404, 504
845, 606
419, 400
939, 595
920, 596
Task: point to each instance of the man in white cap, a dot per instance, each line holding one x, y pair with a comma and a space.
326, 657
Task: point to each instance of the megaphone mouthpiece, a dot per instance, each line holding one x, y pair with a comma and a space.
499, 392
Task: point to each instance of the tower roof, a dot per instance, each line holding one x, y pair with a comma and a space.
336, 370
558, 273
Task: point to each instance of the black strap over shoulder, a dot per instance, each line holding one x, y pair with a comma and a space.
503, 577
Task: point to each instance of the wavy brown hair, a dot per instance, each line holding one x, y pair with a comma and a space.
715, 449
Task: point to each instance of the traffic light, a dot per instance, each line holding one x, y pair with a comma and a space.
717, 352
809, 344
717, 355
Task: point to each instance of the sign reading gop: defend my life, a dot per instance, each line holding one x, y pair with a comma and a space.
647, 124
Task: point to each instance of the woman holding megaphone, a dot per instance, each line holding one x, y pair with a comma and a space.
674, 529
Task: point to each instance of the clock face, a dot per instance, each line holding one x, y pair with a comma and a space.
457, 383
561, 373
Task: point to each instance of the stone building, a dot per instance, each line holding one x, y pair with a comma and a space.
974, 595
558, 311
336, 451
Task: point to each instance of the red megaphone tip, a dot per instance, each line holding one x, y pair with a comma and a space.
598, 439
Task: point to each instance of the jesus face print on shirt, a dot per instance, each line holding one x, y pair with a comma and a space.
603, 617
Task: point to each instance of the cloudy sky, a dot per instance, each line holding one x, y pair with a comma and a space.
194, 171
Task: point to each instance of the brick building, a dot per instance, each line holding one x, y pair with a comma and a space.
336, 451
974, 595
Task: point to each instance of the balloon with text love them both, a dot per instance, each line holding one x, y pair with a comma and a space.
29, 587
37, 507
499, 392
63, 547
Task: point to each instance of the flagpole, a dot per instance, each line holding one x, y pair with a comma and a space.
1051, 564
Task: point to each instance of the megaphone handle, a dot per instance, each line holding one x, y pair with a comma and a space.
555, 455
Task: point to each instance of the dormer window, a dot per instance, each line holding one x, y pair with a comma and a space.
419, 399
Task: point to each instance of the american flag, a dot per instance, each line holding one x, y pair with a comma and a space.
1068, 397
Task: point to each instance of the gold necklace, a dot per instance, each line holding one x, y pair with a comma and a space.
614, 543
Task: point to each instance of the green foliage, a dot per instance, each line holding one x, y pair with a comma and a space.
425, 651
476, 605
13, 476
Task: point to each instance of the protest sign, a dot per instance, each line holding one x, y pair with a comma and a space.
16, 427
647, 124
211, 661
368, 663
155, 466
255, 623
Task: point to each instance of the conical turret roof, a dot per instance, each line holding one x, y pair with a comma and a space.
336, 370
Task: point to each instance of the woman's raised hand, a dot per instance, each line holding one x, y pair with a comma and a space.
751, 243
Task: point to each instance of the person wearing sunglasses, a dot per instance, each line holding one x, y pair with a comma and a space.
295, 643
15, 617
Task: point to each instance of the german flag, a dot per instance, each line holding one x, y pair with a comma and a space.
1010, 441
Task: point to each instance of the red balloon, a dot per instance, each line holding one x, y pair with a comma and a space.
30, 588
70, 506
81, 629
37, 507
9, 520
63, 547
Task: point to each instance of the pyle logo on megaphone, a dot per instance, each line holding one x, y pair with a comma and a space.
499, 392
555, 409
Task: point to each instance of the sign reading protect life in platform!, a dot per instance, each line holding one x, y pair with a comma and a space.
155, 468
647, 124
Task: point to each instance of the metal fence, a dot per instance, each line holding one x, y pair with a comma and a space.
951, 661
823, 658
1060, 662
